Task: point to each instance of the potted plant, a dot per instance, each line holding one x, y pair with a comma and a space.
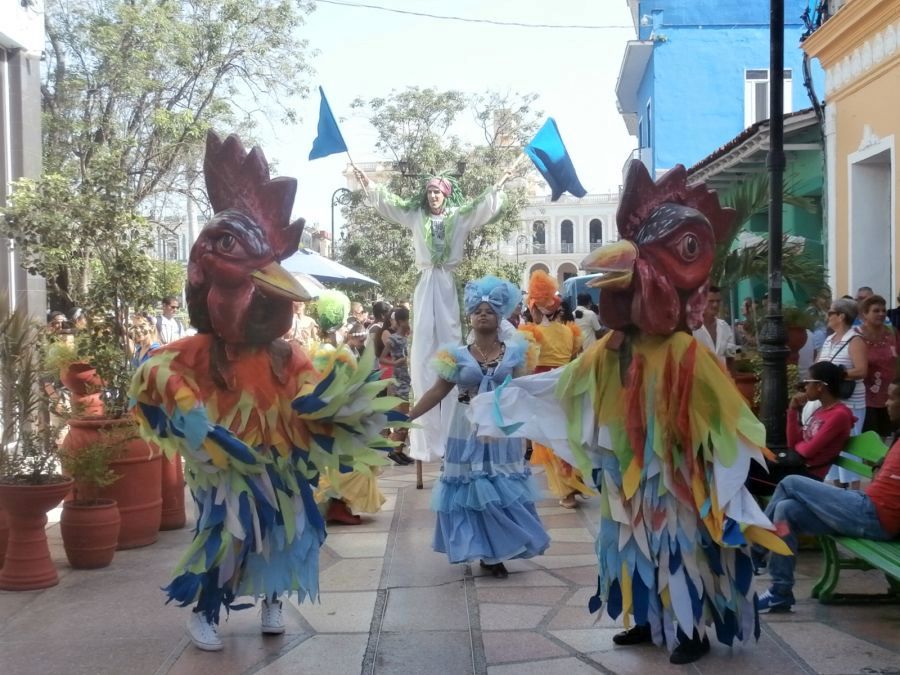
90, 523
745, 372
90, 244
30, 484
797, 322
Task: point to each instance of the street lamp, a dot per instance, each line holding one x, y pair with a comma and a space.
521, 239
340, 196
773, 335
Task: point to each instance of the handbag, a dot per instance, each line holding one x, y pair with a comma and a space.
847, 387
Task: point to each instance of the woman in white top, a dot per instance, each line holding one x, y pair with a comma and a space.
845, 347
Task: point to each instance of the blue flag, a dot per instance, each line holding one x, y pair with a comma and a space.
329, 140
549, 154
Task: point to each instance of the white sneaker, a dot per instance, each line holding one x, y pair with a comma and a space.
204, 635
272, 618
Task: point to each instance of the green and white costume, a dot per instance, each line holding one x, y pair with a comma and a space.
438, 242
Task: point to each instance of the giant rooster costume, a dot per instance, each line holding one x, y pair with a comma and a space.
254, 421
661, 426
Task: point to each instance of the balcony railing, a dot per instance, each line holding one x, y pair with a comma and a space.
537, 248
567, 247
595, 245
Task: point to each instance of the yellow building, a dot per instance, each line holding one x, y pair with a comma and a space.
859, 49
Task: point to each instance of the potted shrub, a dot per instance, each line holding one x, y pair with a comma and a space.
745, 372
90, 523
30, 484
797, 322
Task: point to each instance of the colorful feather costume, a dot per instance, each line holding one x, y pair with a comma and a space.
558, 343
664, 430
255, 422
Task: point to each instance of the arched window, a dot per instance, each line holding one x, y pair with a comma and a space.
595, 233
566, 271
536, 267
539, 237
566, 237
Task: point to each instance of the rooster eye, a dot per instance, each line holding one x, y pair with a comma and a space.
689, 247
226, 243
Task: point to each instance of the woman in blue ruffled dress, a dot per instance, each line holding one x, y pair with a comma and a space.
485, 496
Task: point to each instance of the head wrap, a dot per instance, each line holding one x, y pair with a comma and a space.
441, 184
500, 294
333, 308
543, 292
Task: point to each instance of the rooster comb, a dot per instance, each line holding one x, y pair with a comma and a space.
239, 180
641, 196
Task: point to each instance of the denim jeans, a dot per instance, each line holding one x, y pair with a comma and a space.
807, 506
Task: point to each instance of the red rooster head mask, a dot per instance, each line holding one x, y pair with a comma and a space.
655, 278
236, 289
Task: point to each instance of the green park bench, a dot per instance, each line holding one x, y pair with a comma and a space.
866, 553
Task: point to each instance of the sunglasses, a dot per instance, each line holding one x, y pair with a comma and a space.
805, 382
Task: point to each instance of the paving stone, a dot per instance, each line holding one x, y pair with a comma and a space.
570, 535
339, 612
831, 652
239, 655
358, 544
507, 646
531, 578
419, 652
555, 562
323, 653
416, 609
136, 656
581, 576
581, 596
531, 596
510, 617
573, 617
754, 658
586, 640
353, 574
565, 666
642, 659
564, 548
552, 511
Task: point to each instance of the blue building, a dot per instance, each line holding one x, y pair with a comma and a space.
698, 75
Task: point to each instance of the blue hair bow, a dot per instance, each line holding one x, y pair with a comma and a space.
500, 294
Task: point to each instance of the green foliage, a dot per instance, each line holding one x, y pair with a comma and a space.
168, 278
414, 126
799, 269
89, 465
27, 437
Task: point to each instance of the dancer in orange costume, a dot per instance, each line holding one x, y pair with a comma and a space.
559, 343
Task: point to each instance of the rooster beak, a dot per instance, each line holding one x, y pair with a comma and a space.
273, 279
615, 262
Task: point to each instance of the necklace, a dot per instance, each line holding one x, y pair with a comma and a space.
484, 358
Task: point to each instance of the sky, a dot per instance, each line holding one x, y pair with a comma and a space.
366, 53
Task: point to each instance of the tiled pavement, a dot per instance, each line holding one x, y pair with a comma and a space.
391, 605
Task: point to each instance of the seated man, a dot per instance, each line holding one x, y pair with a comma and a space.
807, 506
819, 441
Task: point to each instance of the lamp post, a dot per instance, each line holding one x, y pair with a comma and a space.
340, 196
521, 239
773, 336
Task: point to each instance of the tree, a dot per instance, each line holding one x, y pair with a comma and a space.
129, 90
414, 129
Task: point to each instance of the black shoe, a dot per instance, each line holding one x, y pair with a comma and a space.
406, 459
499, 571
633, 636
689, 651
397, 458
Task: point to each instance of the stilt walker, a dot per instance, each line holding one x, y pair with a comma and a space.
663, 427
439, 224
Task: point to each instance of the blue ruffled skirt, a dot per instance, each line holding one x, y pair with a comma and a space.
484, 499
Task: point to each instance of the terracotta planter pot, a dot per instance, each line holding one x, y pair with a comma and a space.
746, 384
138, 491
82, 381
90, 532
173, 516
28, 565
4, 535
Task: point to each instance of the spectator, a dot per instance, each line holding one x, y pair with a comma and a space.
894, 314
516, 317
358, 313
56, 323
846, 348
864, 292
715, 333
882, 352
381, 313
168, 326
304, 329
143, 335
397, 345
356, 338
78, 320
587, 321
815, 443
806, 506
